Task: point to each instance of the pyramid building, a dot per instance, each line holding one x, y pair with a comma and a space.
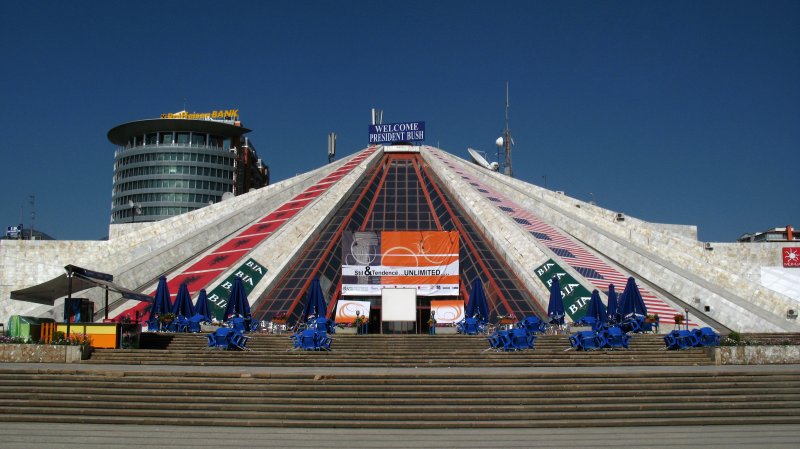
512, 235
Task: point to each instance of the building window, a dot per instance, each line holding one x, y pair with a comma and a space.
165, 139
199, 139
151, 139
182, 138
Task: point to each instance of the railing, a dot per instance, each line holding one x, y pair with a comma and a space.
122, 149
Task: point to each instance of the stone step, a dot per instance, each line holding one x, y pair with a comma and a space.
393, 351
404, 400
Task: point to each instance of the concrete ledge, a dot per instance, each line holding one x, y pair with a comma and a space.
754, 355
43, 353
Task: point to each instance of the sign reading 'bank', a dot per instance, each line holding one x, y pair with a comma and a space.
397, 132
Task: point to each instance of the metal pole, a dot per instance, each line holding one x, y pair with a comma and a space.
67, 303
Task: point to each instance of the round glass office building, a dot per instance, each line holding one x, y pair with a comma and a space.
169, 166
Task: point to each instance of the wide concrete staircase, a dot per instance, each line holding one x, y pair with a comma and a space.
413, 382
406, 399
394, 351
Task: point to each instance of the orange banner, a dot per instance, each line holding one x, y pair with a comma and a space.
425, 260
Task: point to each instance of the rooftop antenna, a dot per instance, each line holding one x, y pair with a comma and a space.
377, 116
331, 147
33, 215
506, 142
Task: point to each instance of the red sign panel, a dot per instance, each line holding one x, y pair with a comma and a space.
791, 257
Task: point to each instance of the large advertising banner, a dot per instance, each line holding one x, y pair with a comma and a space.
424, 260
347, 310
574, 295
447, 311
251, 273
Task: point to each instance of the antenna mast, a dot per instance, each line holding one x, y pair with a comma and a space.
507, 142
33, 215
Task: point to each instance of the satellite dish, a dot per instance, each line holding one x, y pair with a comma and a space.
226, 196
480, 160
499, 141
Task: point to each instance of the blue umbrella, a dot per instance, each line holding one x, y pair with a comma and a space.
478, 306
183, 302
237, 301
161, 301
596, 308
631, 303
555, 308
613, 305
315, 301
202, 308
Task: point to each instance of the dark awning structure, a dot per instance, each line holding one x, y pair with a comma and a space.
82, 279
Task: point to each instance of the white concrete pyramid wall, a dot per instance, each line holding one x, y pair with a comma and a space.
674, 269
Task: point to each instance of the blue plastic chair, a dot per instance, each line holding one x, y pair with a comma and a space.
238, 324
182, 324
295, 340
308, 340
533, 325
194, 323
221, 338
587, 341
634, 325
153, 325
706, 336
519, 339
681, 339
495, 342
500, 340
323, 341
471, 326
238, 341
576, 342
615, 338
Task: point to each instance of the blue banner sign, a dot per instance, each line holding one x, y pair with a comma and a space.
13, 232
397, 132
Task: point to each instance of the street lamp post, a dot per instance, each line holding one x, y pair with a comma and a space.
135, 210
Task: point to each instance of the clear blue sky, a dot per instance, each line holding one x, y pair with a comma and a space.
674, 112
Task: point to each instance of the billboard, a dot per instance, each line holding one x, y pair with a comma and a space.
574, 295
251, 273
346, 310
14, 232
448, 311
424, 260
791, 257
397, 132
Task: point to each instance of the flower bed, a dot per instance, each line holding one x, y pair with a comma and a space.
35, 353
